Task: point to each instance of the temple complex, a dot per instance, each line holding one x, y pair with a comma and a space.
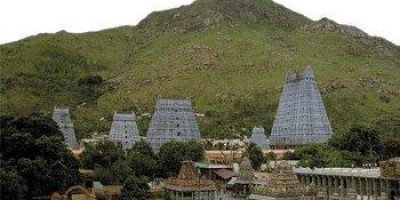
63, 119
301, 117
189, 184
258, 137
282, 184
172, 120
124, 129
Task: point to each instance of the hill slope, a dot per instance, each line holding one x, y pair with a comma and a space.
228, 56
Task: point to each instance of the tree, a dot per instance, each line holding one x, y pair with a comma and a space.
338, 158
12, 185
115, 174
102, 155
289, 155
34, 159
312, 155
143, 148
142, 160
270, 156
365, 140
392, 146
135, 188
172, 153
255, 155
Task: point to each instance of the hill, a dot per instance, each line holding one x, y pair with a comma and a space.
228, 56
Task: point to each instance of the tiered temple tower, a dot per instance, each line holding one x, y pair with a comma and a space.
258, 137
124, 129
63, 119
172, 120
301, 117
246, 179
282, 185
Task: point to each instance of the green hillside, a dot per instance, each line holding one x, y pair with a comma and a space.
228, 56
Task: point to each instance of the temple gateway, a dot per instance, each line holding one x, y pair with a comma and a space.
172, 120
259, 138
63, 119
124, 129
301, 117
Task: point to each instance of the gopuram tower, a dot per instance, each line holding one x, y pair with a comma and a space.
63, 119
258, 137
124, 129
172, 120
301, 117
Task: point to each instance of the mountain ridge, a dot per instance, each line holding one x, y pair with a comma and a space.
232, 70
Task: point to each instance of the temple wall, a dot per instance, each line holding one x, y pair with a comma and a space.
329, 187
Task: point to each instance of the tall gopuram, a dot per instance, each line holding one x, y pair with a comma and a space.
301, 117
258, 137
63, 119
124, 129
172, 120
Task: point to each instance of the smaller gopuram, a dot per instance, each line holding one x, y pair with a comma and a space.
283, 184
258, 137
246, 179
189, 184
172, 120
63, 119
124, 129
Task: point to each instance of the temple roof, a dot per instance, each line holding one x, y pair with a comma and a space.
224, 173
246, 173
283, 184
188, 180
124, 117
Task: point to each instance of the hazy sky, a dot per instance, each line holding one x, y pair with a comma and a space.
22, 18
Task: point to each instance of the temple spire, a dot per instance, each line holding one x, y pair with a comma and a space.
301, 117
63, 119
172, 120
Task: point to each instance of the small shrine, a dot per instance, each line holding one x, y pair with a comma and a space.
189, 184
244, 183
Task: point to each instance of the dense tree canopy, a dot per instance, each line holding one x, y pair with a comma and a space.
392, 146
135, 188
142, 160
102, 155
354, 148
112, 165
364, 140
172, 153
312, 155
34, 159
